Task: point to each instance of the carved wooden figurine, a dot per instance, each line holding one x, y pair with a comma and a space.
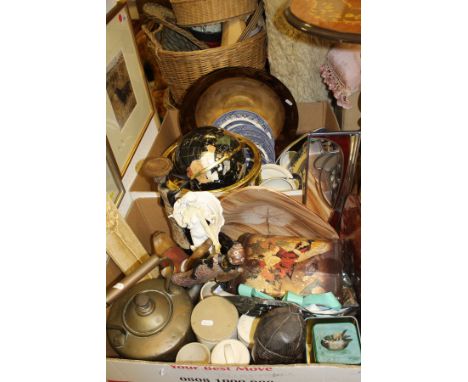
219, 267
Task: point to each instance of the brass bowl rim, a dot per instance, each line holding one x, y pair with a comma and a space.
252, 174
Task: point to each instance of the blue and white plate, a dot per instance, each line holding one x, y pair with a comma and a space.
253, 127
261, 140
233, 118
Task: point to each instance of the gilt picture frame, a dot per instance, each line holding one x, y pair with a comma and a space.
115, 190
128, 102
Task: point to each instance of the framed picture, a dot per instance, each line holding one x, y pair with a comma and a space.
114, 187
128, 101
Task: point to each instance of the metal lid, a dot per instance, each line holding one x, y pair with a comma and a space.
147, 312
129, 333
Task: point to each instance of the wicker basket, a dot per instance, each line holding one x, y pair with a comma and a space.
182, 69
199, 12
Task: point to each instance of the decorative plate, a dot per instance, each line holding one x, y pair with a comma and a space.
253, 127
233, 118
261, 140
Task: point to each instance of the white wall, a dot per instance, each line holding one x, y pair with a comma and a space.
131, 6
140, 153
110, 4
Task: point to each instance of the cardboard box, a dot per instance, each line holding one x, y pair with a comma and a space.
312, 116
145, 216
350, 119
140, 371
316, 115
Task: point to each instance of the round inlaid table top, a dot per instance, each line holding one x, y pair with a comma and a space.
338, 20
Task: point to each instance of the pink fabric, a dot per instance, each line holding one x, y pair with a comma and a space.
342, 72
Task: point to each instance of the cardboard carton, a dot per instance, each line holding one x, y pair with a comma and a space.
145, 216
350, 119
312, 116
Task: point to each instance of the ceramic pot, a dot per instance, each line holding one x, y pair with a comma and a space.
246, 328
230, 352
214, 319
193, 352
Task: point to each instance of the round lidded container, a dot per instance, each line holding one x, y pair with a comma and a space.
214, 319
230, 352
246, 329
194, 352
206, 290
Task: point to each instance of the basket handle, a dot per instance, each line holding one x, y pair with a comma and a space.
252, 23
153, 40
183, 32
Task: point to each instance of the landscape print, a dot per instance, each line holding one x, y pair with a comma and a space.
119, 89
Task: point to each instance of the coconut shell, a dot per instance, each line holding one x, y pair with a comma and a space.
280, 337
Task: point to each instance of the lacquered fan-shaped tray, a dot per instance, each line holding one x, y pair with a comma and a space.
262, 211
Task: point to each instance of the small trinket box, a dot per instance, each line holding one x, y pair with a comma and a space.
334, 340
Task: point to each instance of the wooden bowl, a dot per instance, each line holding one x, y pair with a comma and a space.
241, 88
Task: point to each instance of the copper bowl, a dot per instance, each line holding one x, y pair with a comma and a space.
241, 88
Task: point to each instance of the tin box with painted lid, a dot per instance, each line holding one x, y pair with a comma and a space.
333, 340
